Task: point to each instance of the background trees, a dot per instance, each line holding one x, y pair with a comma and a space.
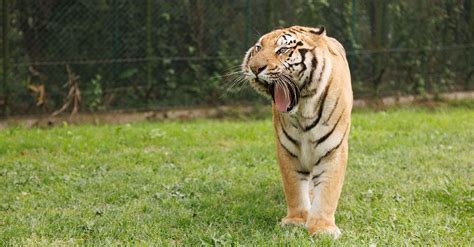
155, 53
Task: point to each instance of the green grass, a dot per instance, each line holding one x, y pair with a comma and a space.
408, 182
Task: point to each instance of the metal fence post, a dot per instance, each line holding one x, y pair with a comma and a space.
270, 18
6, 60
149, 45
116, 45
353, 43
353, 20
248, 23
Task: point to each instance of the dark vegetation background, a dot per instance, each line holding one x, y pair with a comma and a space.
150, 54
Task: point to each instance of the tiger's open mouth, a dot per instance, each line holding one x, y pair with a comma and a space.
285, 95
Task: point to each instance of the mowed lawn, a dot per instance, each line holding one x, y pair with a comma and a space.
408, 182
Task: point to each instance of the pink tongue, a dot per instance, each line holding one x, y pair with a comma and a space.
281, 100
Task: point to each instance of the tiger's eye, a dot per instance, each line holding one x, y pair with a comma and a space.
282, 50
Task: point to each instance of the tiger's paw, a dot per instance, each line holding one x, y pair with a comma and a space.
293, 221
321, 228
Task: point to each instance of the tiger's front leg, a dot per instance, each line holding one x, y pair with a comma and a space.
295, 185
326, 184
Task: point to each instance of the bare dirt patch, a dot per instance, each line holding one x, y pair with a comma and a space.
183, 114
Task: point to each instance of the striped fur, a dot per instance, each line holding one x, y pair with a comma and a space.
312, 135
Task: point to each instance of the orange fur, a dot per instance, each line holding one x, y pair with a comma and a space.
329, 106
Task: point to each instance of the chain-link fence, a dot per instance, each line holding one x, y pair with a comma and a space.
148, 54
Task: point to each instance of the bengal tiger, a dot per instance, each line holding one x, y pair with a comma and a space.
306, 74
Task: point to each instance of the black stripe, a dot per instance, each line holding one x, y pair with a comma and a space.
324, 137
321, 102
287, 150
303, 58
295, 126
304, 173
309, 81
309, 127
316, 184
309, 94
332, 111
317, 176
292, 140
322, 70
303, 52
314, 64
290, 65
332, 149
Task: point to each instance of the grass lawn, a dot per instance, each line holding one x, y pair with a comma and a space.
409, 182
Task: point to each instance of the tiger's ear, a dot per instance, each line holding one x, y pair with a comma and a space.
320, 31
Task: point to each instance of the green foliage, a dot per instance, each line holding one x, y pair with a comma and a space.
126, 74
94, 97
161, 53
408, 182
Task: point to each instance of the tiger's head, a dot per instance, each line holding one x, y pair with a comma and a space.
278, 65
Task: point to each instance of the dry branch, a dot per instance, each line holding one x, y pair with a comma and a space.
74, 95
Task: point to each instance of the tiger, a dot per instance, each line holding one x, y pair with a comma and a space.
306, 75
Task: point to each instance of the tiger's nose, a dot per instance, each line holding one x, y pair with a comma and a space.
257, 70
